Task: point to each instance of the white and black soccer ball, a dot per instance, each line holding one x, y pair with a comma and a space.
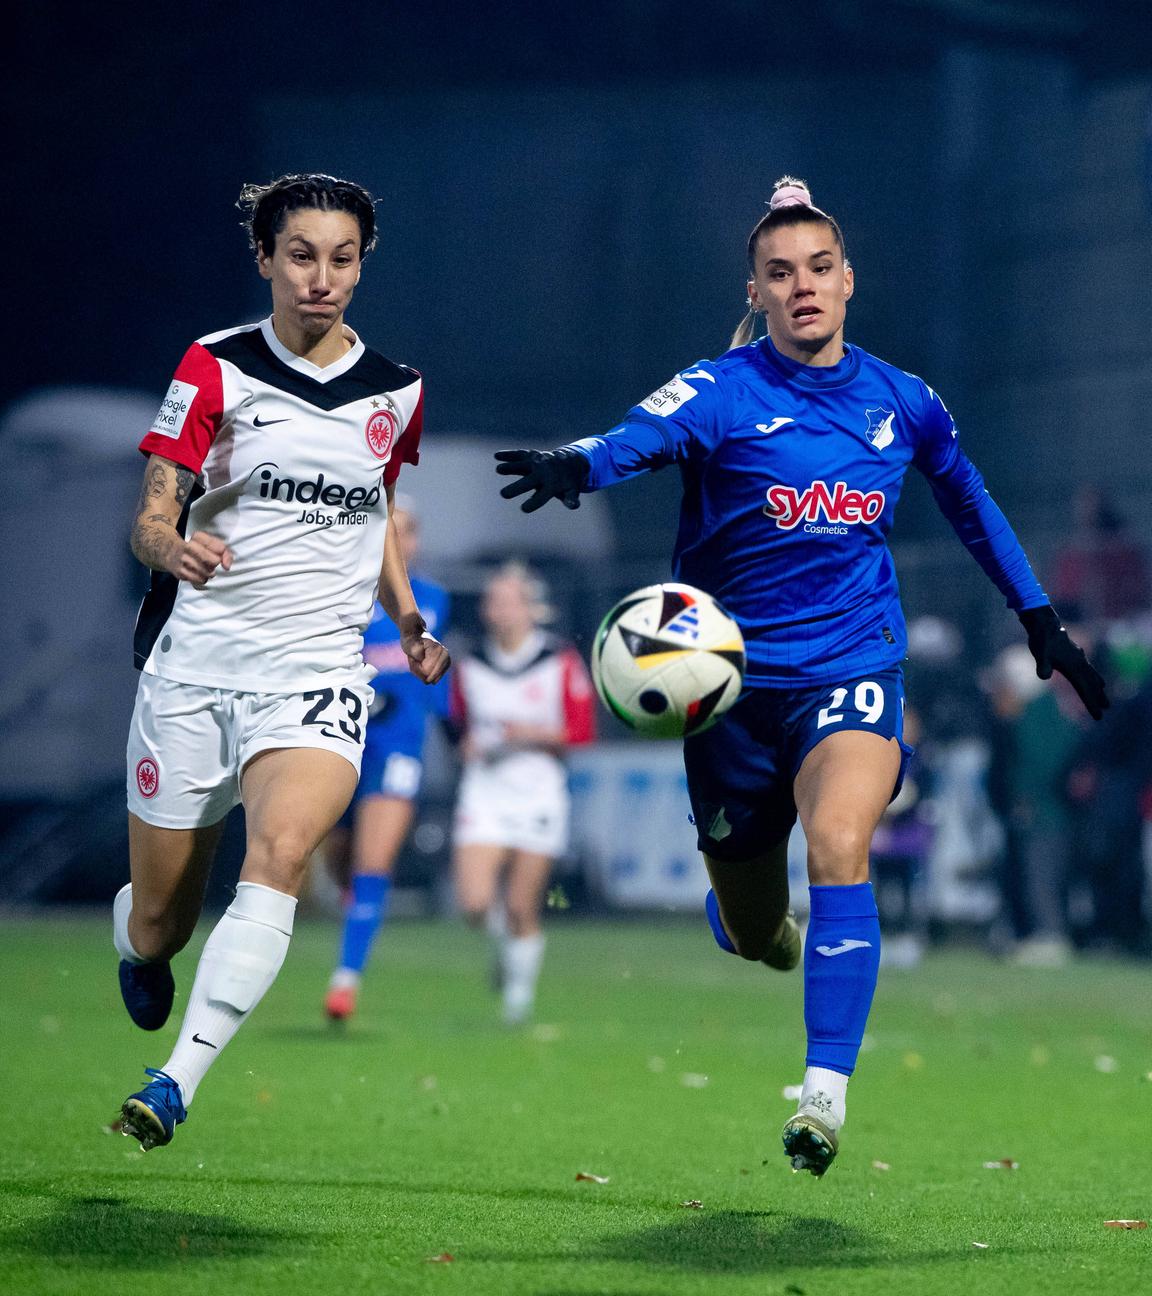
668, 661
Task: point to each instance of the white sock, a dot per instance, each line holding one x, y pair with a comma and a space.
240, 961
522, 956
121, 908
344, 979
496, 920
825, 1095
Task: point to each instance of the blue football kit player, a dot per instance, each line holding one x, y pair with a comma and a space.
383, 807
792, 452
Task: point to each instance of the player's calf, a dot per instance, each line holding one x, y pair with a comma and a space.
778, 946
146, 986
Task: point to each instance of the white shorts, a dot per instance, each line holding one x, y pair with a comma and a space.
188, 744
489, 813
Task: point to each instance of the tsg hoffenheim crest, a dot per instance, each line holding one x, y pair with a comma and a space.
879, 430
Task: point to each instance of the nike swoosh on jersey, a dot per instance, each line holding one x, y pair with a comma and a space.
259, 422
771, 427
698, 373
830, 951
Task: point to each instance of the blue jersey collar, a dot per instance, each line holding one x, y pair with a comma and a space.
814, 377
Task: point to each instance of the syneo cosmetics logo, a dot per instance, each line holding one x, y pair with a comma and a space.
838, 505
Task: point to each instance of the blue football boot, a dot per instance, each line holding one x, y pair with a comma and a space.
147, 990
153, 1114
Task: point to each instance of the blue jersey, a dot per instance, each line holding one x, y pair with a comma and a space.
403, 702
791, 475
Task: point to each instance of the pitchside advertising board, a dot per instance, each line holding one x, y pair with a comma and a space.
631, 829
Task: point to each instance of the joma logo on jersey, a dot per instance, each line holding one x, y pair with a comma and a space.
839, 505
314, 491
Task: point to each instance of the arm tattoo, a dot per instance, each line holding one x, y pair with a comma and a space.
154, 485
185, 480
154, 534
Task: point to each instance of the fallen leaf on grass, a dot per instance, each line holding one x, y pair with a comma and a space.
1126, 1224
693, 1204
881, 1165
1005, 1163
982, 1245
582, 1176
445, 1257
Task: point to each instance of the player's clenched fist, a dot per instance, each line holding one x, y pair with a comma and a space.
197, 558
428, 659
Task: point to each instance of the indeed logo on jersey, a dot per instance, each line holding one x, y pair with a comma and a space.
838, 506
169, 421
352, 502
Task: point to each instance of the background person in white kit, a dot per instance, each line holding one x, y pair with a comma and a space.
519, 701
276, 453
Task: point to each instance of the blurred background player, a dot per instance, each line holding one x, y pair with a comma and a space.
390, 774
519, 702
793, 450
276, 452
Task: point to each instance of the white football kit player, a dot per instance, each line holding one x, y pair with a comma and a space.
293, 460
518, 796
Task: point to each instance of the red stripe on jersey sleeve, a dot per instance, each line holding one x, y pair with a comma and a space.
579, 700
409, 444
190, 417
457, 704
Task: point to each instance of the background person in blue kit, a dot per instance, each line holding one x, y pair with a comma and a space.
384, 805
793, 450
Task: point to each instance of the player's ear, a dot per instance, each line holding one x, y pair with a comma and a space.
754, 302
849, 280
264, 264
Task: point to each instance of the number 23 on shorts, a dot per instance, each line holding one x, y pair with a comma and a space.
322, 699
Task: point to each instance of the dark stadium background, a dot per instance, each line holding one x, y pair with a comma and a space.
565, 191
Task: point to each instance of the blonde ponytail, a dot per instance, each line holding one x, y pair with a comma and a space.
745, 331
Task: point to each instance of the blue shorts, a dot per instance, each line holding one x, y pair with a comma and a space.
741, 771
389, 771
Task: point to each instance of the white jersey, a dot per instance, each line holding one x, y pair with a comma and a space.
294, 460
543, 684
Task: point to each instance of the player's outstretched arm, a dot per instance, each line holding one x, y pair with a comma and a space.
427, 657
1054, 649
157, 542
549, 474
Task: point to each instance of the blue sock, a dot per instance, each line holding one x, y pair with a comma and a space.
841, 963
712, 909
363, 918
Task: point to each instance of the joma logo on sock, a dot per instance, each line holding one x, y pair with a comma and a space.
830, 951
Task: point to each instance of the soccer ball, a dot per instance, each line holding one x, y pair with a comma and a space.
668, 660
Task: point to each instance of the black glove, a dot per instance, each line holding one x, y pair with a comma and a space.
1049, 643
552, 474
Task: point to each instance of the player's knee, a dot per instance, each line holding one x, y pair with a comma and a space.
837, 852
523, 920
277, 857
473, 910
159, 935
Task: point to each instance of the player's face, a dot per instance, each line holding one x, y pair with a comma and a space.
506, 608
802, 284
314, 269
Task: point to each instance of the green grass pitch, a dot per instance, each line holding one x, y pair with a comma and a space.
316, 1161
